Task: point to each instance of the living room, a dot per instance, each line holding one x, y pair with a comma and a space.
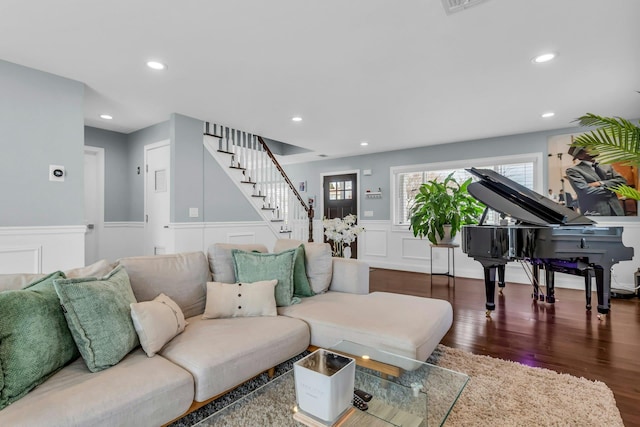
454, 118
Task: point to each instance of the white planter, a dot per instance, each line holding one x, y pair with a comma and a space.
346, 252
324, 384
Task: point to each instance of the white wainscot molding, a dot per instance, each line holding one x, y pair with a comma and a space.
405, 252
41, 249
199, 236
121, 239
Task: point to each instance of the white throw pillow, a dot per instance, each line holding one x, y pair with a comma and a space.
240, 299
318, 262
157, 322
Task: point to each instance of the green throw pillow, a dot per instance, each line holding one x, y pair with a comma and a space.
301, 285
35, 341
99, 316
255, 267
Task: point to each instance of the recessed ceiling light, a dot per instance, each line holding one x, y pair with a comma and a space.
548, 114
106, 117
545, 57
364, 143
296, 119
156, 65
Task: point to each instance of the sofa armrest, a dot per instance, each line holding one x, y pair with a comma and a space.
350, 275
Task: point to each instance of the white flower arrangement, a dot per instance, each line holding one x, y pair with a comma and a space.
342, 232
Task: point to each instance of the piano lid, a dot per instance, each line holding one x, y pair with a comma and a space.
510, 198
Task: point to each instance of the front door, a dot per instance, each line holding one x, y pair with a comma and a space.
340, 199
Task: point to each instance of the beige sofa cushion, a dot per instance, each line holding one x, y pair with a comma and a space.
97, 269
182, 277
222, 353
401, 324
221, 261
139, 391
20, 280
14, 282
318, 262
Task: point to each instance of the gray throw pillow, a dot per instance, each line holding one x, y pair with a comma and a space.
99, 316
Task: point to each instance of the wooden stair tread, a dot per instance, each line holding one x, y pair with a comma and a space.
225, 152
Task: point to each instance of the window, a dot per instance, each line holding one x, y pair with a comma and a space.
340, 190
407, 179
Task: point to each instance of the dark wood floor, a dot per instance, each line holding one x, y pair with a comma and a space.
563, 336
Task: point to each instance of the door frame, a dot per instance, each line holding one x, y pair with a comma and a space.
146, 149
100, 182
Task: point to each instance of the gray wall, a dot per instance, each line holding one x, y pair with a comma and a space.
116, 164
41, 123
136, 142
187, 182
199, 181
380, 164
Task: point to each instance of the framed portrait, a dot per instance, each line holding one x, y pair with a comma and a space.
302, 186
578, 181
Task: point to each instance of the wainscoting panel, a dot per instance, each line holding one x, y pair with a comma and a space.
26, 259
41, 249
375, 243
417, 249
122, 239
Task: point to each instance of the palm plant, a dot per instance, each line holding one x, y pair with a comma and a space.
443, 203
615, 140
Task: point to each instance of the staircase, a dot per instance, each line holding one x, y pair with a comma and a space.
257, 173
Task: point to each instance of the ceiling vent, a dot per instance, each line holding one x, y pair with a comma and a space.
453, 6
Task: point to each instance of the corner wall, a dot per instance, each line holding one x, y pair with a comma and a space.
41, 118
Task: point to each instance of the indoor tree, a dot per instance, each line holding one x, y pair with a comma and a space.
615, 140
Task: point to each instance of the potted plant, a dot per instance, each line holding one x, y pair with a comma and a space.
614, 140
441, 206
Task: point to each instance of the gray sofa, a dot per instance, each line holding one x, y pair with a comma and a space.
212, 356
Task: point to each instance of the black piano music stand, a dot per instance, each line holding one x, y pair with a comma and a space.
451, 261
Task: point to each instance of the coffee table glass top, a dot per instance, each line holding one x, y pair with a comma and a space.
405, 392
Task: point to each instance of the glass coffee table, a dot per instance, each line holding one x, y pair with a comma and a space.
405, 392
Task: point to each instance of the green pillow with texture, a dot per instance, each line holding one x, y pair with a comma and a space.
255, 267
301, 285
35, 341
99, 316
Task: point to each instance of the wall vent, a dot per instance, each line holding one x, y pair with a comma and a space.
453, 6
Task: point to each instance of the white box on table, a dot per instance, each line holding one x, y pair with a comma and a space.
324, 384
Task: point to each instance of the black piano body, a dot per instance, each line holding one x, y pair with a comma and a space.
549, 236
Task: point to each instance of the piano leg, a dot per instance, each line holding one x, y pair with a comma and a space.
603, 280
490, 288
536, 282
551, 285
501, 282
588, 274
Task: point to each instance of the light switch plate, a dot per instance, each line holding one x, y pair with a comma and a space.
368, 213
193, 213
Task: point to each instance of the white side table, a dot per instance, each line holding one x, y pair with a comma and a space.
451, 261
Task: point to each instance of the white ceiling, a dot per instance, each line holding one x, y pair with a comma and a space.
397, 74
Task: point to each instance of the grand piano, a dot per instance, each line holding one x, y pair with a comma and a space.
544, 235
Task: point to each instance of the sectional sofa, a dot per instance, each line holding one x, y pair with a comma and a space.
224, 334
